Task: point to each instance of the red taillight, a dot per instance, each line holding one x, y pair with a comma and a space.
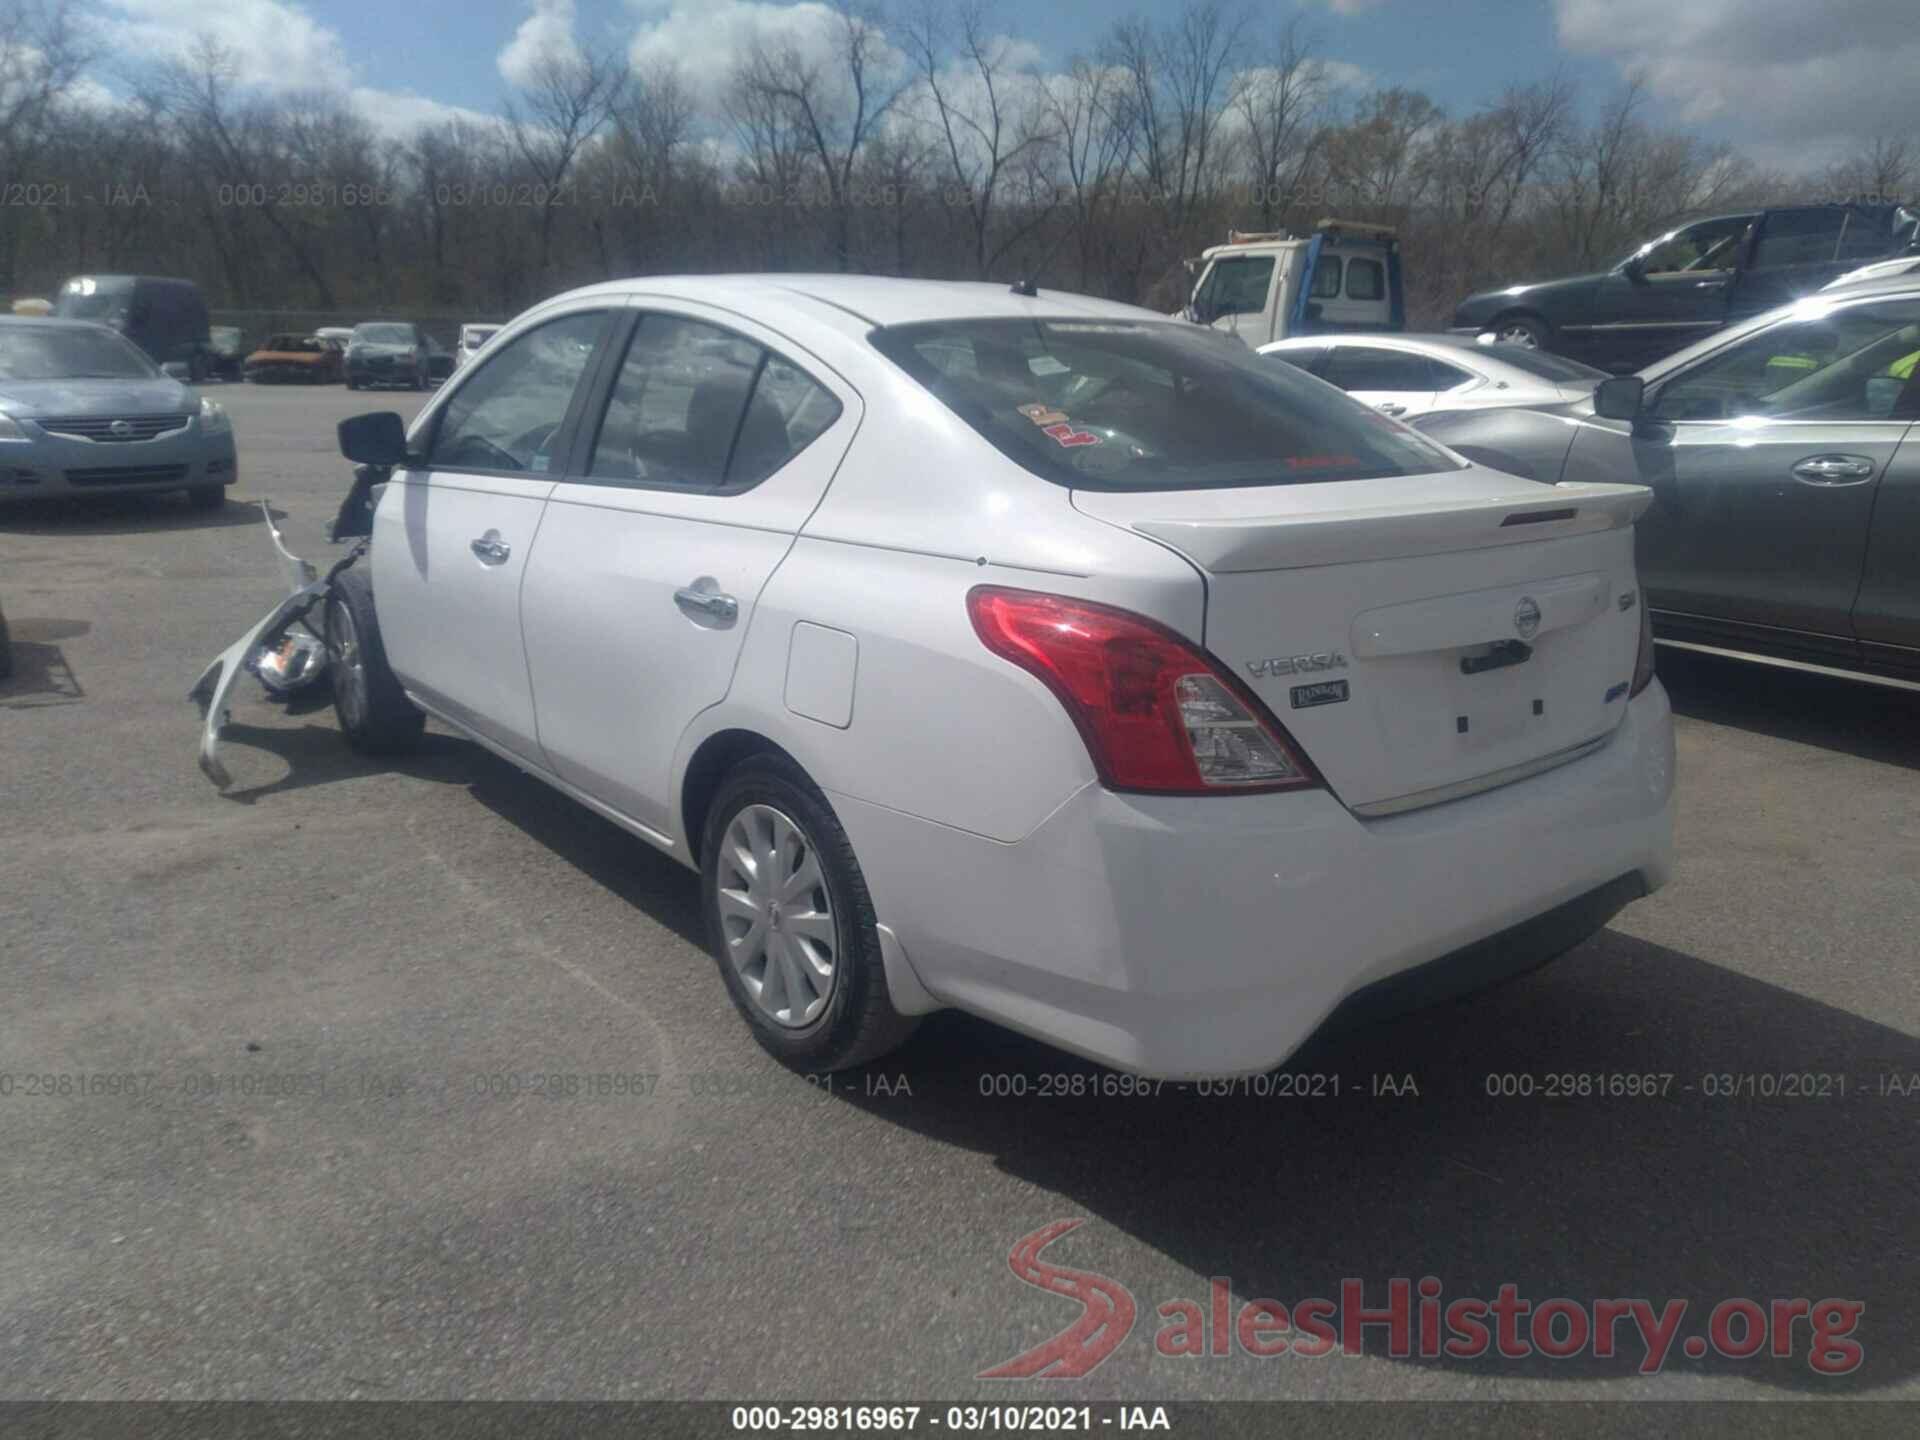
1157, 713
1643, 660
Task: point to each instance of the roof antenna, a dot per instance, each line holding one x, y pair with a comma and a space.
1024, 287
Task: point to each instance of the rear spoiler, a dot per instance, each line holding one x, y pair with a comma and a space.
1389, 532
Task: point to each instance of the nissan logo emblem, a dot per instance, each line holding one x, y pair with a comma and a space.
120, 429
1526, 618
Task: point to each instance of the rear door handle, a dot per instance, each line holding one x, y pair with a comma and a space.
707, 604
1834, 469
491, 549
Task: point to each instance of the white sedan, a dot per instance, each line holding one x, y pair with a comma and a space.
1017, 652
1408, 375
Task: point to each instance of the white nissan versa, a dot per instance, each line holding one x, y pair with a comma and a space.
1019, 652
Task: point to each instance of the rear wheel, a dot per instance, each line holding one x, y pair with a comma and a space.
790, 923
374, 712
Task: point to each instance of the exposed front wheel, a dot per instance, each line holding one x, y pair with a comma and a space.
374, 712
1527, 331
790, 923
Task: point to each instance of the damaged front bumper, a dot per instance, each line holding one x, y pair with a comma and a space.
214, 689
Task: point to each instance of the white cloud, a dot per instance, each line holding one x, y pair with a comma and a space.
398, 113
704, 41
546, 33
274, 43
1804, 83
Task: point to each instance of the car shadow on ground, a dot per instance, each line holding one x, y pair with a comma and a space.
1690, 1195
41, 673
1871, 722
124, 515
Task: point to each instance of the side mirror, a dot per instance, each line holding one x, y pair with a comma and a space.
177, 370
1635, 269
1620, 397
379, 438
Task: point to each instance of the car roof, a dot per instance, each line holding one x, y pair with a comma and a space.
874, 300
52, 322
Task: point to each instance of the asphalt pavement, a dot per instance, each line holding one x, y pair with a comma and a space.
413, 1080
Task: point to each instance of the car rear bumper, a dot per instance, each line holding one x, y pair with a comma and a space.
1187, 938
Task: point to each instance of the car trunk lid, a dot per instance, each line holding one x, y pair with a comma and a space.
1422, 637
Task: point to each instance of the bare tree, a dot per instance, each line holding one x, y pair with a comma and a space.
567, 100
833, 107
1278, 105
1092, 108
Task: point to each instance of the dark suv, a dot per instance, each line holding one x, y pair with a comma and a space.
1685, 284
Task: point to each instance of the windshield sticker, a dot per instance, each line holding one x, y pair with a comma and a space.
1067, 436
1043, 414
1322, 462
1046, 365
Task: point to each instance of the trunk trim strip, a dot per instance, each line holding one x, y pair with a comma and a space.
1493, 780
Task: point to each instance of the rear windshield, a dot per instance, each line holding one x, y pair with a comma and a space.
1126, 405
1557, 368
85, 298
58, 353
384, 334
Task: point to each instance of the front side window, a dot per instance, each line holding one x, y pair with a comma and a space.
1238, 286
697, 407
1710, 245
1144, 405
507, 414
1851, 364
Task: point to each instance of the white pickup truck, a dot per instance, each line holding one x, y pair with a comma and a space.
1268, 286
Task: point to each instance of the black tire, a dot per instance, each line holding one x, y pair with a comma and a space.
858, 1022
1509, 328
206, 497
377, 719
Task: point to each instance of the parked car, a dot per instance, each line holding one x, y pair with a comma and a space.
166, 318
1149, 710
84, 412
1681, 286
472, 337
387, 352
440, 360
1265, 287
1405, 375
226, 352
301, 359
1781, 454
339, 336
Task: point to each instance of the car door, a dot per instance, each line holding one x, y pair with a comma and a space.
453, 533
1767, 457
1394, 382
1671, 295
710, 443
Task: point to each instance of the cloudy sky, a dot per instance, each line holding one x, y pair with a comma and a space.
1793, 83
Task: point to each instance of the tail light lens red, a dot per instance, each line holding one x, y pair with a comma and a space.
1157, 713
1643, 661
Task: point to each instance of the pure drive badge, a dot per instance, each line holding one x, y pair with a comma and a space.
1298, 664
1324, 692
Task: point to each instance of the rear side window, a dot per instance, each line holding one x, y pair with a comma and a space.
1556, 368
1126, 405
1798, 237
1301, 357
1366, 279
1366, 367
700, 408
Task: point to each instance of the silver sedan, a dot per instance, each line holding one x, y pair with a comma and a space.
1407, 375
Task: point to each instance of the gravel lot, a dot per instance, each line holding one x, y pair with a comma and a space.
339, 980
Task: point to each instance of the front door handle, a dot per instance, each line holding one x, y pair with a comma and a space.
491, 549
707, 604
1834, 469
1387, 407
